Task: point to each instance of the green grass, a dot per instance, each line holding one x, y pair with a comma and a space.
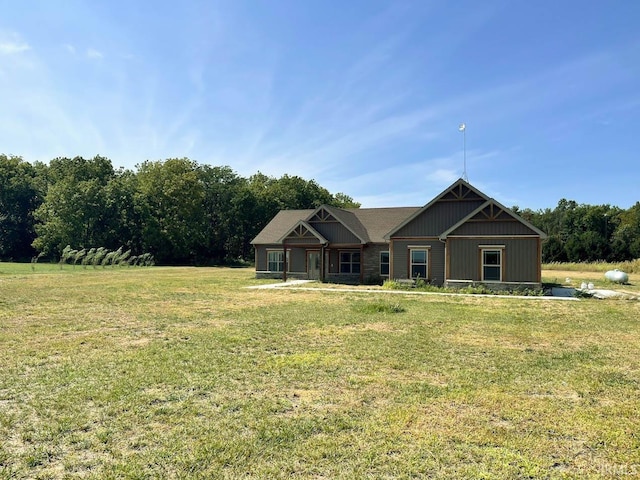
183, 373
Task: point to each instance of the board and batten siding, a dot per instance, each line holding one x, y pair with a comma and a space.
400, 261
297, 258
496, 227
335, 232
261, 256
438, 217
520, 261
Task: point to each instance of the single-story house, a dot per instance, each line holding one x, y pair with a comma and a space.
460, 237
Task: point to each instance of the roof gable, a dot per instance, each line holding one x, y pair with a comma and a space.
492, 211
303, 231
459, 204
328, 214
282, 222
459, 191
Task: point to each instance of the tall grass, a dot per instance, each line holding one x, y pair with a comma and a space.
100, 257
630, 266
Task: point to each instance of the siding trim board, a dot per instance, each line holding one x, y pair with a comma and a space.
481, 237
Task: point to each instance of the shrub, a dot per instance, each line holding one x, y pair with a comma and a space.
380, 307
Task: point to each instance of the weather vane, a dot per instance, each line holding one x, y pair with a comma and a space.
463, 129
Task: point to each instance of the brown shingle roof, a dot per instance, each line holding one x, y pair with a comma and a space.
379, 221
283, 221
369, 224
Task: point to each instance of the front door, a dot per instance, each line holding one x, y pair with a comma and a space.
313, 265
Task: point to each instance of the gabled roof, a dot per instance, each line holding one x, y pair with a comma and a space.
300, 229
379, 221
346, 218
282, 222
368, 224
503, 210
458, 189
376, 225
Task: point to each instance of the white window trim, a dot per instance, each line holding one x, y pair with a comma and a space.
278, 250
491, 248
426, 248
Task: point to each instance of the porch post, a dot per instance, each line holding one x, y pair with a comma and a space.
361, 263
322, 263
284, 261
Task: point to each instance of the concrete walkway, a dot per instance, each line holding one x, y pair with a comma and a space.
599, 293
291, 285
288, 283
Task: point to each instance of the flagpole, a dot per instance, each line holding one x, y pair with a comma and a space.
463, 129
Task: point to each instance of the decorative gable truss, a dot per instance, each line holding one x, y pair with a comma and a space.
322, 215
461, 191
338, 225
493, 212
498, 219
303, 233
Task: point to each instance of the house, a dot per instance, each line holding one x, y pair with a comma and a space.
460, 237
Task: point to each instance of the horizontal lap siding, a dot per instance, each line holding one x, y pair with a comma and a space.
520, 261
401, 258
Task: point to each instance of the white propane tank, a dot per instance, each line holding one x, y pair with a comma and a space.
616, 276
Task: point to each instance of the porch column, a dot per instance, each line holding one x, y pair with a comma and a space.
322, 263
361, 263
284, 261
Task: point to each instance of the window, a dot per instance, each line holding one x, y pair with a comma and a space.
419, 263
275, 260
349, 262
384, 263
492, 265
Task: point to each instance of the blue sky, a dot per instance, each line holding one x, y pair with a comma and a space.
364, 96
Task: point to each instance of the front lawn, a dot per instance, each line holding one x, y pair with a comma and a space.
183, 373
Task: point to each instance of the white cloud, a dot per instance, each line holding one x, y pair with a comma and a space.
93, 53
11, 43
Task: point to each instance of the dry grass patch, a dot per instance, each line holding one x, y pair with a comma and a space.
184, 373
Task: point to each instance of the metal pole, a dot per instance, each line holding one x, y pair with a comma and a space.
464, 154
463, 129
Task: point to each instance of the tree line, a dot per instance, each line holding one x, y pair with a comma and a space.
179, 211
587, 233
182, 212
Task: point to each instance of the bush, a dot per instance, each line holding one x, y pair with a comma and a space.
380, 307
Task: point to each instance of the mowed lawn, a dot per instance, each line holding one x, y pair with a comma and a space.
184, 373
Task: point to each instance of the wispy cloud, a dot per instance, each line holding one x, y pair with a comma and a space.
94, 54
11, 43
